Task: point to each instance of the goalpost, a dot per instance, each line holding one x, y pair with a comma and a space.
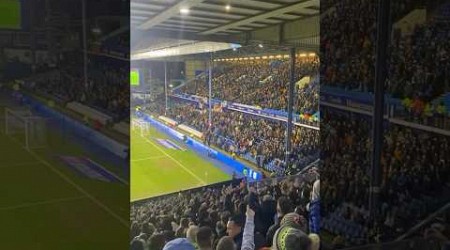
141, 126
29, 130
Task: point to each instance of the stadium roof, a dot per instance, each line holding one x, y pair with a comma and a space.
217, 17
167, 28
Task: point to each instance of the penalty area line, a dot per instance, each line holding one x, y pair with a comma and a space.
73, 184
177, 162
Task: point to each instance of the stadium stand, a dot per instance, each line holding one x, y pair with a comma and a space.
414, 160
252, 83
229, 209
255, 139
419, 64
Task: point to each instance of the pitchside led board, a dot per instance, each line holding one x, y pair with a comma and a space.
10, 14
134, 77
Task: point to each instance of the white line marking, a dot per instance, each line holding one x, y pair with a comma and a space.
38, 203
177, 162
109, 172
149, 158
76, 186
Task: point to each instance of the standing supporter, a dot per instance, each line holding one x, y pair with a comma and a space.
179, 244
314, 209
205, 238
226, 243
284, 206
234, 230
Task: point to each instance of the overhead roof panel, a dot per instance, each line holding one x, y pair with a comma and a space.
251, 3
186, 23
146, 5
233, 10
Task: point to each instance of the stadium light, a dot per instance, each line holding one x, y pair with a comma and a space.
184, 11
185, 49
260, 45
228, 7
96, 30
312, 54
303, 55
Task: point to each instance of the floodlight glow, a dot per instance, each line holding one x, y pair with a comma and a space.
186, 49
228, 7
184, 11
260, 45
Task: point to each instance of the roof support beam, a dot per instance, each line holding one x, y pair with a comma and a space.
139, 35
274, 13
168, 13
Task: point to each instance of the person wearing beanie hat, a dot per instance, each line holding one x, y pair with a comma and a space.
289, 238
295, 220
315, 241
179, 244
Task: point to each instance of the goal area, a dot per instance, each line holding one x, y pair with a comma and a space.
140, 126
26, 128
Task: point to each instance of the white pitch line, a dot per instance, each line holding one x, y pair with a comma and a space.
177, 162
76, 186
149, 158
38, 203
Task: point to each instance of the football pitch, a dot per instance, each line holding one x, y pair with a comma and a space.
46, 205
162, 165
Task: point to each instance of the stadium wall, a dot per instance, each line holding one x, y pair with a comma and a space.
202, 148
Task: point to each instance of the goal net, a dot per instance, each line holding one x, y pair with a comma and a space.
140, 126
29, 130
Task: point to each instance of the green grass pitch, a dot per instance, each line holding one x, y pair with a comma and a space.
157, 170
134, 78
45, 205
10, 14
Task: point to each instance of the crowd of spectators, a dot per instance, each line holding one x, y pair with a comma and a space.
418, 59
348, 39
272, 214
263, 83
107, 87
253, 138
415, 177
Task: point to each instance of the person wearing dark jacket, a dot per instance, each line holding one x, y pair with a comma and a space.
314, 209
234, 229
284, 206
